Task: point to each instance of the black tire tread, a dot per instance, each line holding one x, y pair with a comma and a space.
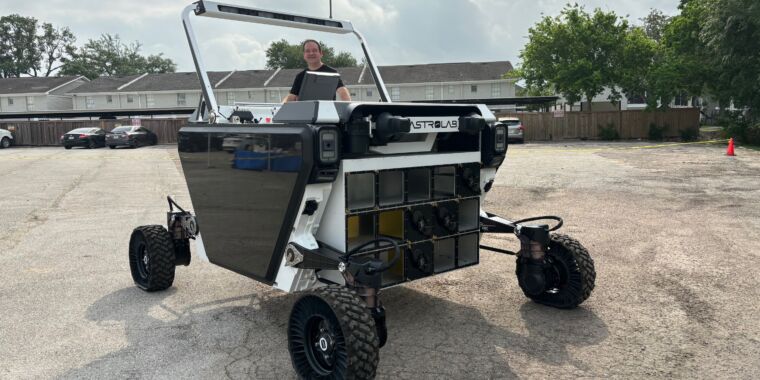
4, 141
358, 329
573, 296
161, 252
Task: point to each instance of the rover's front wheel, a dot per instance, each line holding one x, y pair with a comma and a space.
331, 335
569, 273
151, 258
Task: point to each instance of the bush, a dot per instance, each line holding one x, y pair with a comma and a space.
690, 134
656, 133
608, 133
738, 127
753, 135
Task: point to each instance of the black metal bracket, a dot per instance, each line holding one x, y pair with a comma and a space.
494, 224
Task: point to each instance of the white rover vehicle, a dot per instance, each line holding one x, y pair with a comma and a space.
340, 200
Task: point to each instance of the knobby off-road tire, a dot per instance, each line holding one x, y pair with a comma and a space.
570, 276
151, 258
331, 335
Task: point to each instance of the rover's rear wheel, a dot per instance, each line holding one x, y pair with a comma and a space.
5, 143
151, 258
331, 335
570, 273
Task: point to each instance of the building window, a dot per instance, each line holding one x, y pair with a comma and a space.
150, 101
30, 103
181, 100
10, 101
474, 88
89, 102
451, 89
230, 98
395, 93
429, 93
130, 99
250, 94
109, 99
495, 90
369, 92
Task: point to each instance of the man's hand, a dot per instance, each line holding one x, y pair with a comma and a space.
343, 94
290, 98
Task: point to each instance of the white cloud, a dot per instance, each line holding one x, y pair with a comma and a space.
235, 51
398, 31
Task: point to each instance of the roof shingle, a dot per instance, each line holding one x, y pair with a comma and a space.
32, 85
400, 74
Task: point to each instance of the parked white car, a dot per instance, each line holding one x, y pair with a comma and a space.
515, 129
6, 139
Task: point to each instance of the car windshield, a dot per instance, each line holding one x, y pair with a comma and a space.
121, 130
82, 130
510, 122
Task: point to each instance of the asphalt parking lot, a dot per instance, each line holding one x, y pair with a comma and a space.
674, 231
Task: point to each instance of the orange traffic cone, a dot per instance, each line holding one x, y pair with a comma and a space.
730, 151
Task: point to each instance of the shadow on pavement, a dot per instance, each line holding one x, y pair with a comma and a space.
245, 337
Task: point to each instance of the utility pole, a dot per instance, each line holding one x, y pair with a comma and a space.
330, 8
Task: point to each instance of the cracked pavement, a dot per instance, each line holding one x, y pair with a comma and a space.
673, 231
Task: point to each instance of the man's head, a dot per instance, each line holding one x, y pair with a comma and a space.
312, 53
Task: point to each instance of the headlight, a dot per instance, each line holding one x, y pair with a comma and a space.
500, 138
328, 146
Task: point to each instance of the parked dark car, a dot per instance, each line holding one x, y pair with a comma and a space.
131, 136
86, 137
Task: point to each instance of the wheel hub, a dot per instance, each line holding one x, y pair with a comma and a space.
325, 343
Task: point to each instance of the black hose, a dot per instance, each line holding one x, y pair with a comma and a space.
545, 217
385, 267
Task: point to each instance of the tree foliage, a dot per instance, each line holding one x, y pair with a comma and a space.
654, 24
18, 45
712, 47
109, 56
282, 54
576, 54
30, 48
730, 36
55, 45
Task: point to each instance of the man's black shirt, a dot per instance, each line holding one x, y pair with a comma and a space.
299, 78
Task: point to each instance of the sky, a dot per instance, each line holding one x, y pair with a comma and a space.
397, 31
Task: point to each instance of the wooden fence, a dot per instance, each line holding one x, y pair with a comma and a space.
544, 126
41, 133
539, 126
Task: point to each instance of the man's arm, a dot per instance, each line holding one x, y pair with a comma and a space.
290, 98
343, 94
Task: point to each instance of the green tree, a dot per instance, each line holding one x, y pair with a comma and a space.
111, 57
654, 24
576, 53
55, 45
282, 54
18, 45
730, 35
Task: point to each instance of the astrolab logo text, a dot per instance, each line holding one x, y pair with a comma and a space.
435, 124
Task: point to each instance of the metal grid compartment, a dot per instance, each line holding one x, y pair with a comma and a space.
360, 190
444, 182
469, 214
390, 187
444, 254
360, 229
394, 274
418, 184
468, 249
391, 224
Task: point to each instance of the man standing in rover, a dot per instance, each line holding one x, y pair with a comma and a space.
312, 54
